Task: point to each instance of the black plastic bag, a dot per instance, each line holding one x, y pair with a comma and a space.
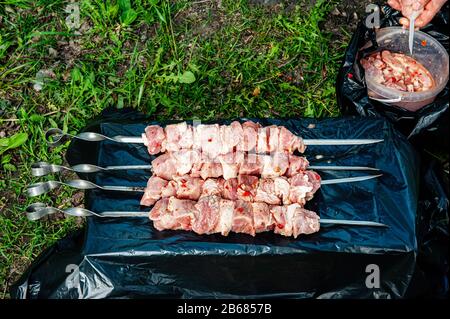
428, 124
126, 258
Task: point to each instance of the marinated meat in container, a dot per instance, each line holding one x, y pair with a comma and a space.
394, 77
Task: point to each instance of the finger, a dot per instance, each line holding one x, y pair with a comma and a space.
395, 4
430, 11
424, 19
405, 22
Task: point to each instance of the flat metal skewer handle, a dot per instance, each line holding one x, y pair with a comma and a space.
45, 187
43, 168
55, 137
39, 210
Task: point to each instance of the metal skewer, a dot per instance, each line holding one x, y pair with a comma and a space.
39, 210
55, 137
40, 188
43, 168
45, 187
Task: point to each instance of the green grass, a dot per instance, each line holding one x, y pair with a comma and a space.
170, 59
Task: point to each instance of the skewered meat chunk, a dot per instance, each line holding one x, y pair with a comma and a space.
155, 139
153, 190
189, 187
173, 213
304, 222
274, 191
213, 214
225, 223
228, 165
297, 164
262, 218
213, 187
247, 186
230, 187
231, 136
397, 71
274, 165
231, 163
249, 136
300, 186
165, 166
214, 140
207, 139
179, 136
206, 215
243, 218
211, 170
288, 142
252, 165
266, 192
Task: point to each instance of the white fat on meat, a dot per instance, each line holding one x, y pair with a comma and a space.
185, 160
282, 217
169, 190
225, 223
231, 163
155, 139
178, 136
207, 139
274, 165
153, 190
281, 189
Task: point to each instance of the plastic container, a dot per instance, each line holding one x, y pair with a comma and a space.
428, 51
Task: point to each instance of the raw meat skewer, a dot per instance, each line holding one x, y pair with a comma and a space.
39, 210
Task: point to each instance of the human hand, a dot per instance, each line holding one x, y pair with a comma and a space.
426, 9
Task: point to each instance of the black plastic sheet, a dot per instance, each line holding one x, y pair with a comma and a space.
128, 258
428, 124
